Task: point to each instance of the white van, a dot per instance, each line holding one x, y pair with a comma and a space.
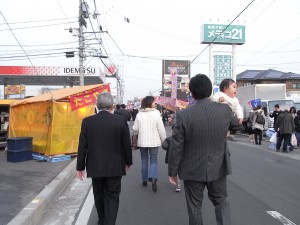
268, 107
295, 98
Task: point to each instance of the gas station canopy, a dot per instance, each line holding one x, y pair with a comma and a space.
48, 76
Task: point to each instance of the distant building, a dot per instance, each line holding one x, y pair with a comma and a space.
249, 77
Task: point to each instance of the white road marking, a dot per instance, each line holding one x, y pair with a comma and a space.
280, 218
86, 210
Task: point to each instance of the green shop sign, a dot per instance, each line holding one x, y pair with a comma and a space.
221, 34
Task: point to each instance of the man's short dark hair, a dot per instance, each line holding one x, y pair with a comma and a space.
123, 106
276, 106
200, 86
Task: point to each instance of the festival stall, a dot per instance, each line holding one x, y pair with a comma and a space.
54, 118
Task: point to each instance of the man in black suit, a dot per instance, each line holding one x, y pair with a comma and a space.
199, 154
123, 112
105, 151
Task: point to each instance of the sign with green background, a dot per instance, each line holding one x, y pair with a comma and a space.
221, 34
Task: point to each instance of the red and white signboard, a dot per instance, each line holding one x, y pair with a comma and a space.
47, 71
111, 71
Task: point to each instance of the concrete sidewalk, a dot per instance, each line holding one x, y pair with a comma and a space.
36, 183
243, 137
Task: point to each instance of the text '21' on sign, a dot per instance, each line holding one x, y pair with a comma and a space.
223, 34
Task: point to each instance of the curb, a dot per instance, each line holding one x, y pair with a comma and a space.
33, 212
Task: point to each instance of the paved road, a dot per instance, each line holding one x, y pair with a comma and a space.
21, 182
263, 181
263, 190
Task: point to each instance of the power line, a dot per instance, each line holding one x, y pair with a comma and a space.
63, 12
40, 26
28, 55
64, 43
34, 51
32, 57
37, 21
25, 52
221, 32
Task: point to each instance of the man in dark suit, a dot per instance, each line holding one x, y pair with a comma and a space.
199, 154
105, 151
285, 127
123, 112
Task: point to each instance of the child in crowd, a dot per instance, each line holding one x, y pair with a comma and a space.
227, 95
250, 126
166, 146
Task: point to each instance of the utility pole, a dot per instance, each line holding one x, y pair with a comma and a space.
81, 45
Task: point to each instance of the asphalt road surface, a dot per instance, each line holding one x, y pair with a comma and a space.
263, 190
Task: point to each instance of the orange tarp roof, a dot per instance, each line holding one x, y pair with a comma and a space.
57, 94
8, 101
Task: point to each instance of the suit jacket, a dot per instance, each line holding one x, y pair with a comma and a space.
285, 123
123, 112
104, 145
198, 150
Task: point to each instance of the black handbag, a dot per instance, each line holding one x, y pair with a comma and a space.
134, 141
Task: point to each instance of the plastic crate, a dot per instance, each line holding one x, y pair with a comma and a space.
19, 144
13, 156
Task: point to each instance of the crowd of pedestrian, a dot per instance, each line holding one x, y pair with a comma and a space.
197, 152
286, 127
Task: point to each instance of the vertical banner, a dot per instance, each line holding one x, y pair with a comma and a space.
174, 82
182, 76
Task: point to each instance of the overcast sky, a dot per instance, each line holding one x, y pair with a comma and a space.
157, 30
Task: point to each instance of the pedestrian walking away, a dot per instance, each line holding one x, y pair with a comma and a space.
166, 146
297, 127
285, 127
250, 125
151, 133
199, 152
121, 110
105, 152
258, 124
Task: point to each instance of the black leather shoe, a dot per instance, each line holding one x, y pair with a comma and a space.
154, 185
144, 183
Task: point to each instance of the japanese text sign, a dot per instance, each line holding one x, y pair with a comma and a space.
88, 97
223, 34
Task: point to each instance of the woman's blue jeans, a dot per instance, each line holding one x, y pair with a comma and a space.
147, 153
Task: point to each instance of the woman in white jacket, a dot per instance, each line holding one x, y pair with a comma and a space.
149, 126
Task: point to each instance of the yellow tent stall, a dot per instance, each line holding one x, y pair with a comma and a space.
54, 119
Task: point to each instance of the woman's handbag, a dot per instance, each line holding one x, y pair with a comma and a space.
134, 141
